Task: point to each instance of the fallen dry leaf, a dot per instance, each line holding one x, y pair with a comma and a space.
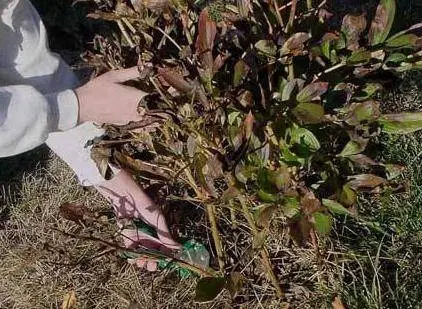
69, 301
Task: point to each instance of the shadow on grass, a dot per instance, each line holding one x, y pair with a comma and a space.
12, 170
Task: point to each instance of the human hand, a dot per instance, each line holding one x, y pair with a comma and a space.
131, 202
105, 100
135, 239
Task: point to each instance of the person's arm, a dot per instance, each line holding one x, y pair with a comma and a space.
27, 117
33, 101
36, 96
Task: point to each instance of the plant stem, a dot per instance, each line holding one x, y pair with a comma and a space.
336, 67
264, 254
208, 272
309, 4
291, 17
277, 11
216, 235
125, 34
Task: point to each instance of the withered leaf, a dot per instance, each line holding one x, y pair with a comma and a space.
69, 301
259, 239
139, 166
299, 230
310, 204
101, 156
337, 303
363, 161
264, 214
235, 283
266, 47
75, 212
352, 27
150, 4
365, 182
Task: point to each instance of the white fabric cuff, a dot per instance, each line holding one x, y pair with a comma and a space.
64, 109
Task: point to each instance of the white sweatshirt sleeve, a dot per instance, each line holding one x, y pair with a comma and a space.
35, 85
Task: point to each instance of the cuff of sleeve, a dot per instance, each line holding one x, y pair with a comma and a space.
64, 109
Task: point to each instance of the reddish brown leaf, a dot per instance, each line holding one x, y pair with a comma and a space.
207, 31
299, 230
310, 203
295, 44
248, 125
352, 27
362, 160
176, 80
75, 212
312, 91
337, 303
245, 98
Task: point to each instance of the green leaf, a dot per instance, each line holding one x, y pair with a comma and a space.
241, 69
365, 111
322, 223
312, 91
336, 207
244, 173
396, 58
291, 207
401, 123
268, 197
382, 22
348, 197
273, 181
208, 288
266, 47
403, 41
302, 136
233, 116
352, 148
288, 89
412, 28
368, 91
308, 113
359, 57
